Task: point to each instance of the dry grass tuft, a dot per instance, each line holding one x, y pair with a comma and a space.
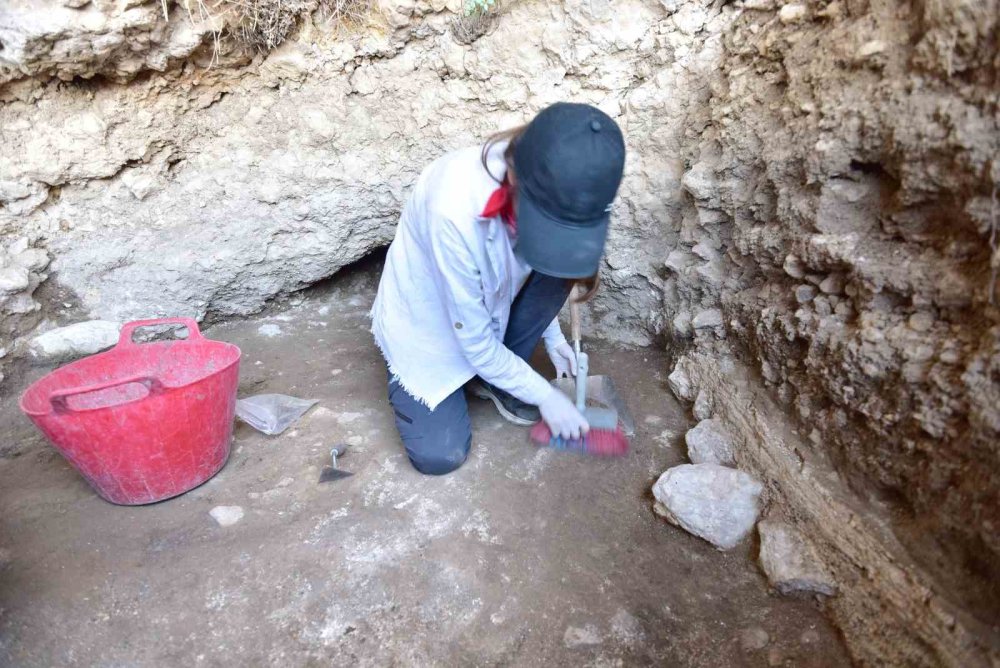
261, 25
468, 28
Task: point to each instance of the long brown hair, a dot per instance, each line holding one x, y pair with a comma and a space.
511, 136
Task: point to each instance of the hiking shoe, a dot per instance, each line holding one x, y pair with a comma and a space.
510, 407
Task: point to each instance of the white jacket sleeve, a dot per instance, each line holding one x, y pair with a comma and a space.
461, 289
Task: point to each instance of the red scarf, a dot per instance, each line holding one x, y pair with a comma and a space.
501, 203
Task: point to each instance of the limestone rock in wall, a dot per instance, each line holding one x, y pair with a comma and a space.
702, 406
680, 384
790, 563
710, 442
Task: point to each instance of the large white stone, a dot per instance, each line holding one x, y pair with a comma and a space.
73, 341
713, 502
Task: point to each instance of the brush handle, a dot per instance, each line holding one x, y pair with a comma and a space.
574, 316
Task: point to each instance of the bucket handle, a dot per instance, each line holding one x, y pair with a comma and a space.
58, 397
128, 329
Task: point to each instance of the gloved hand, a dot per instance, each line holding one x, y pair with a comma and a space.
563, 359
562, 416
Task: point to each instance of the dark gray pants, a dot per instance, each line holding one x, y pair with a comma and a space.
438, 441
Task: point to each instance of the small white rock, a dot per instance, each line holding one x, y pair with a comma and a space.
793, 266
269, 330
871, 48
754, 638
921, 321
581, 636
14, 278
792, 13
35, 259
708, 318
226, 515
710, 442
680, 384
805, 293
703, 406
682, 325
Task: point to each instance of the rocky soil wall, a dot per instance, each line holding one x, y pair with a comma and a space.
810, 192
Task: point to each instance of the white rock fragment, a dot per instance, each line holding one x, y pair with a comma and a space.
921, 321
793, 266
832, 285
14, 278
754, 638
625, 628
226, 515
34, 259
709, 442
792, 13
790, 563
682, 325
581, 636
678, 260
871, 48
700, 182
805, 293
713, 502
269, 330
73, 341
707, 318
703, 406
680, 384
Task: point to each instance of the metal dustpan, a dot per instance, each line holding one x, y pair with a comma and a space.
600, 390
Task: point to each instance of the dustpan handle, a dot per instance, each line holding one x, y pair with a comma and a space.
58, 397
128, 329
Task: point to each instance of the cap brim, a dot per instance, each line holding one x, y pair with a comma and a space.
559, 248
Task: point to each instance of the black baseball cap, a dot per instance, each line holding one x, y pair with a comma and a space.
568, 164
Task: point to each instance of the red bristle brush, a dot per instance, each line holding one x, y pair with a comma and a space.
606, 437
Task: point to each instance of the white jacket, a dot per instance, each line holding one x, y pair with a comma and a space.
449, 281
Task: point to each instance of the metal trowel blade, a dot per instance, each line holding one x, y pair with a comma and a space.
329, 473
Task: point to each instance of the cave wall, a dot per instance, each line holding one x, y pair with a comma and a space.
810, 194
209, 183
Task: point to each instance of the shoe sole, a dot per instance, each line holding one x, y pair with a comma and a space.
482, 393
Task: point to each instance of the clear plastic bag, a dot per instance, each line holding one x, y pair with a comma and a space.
272, 413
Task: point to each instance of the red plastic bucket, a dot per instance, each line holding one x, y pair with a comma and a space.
143, 421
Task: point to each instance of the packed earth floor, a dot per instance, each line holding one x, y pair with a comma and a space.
524, 556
